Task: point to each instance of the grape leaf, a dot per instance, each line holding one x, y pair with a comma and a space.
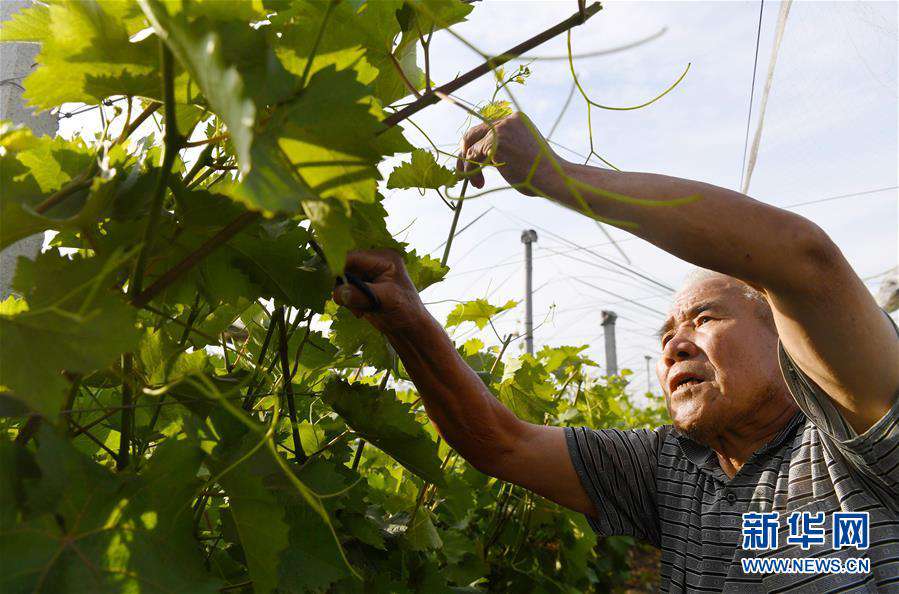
378, 417
221, 84
312, 559
421, 534
561, 357
526, 389
85, 54
340, 43
353, 335
164, 360
422, 171
89, 530
478, 311
256, 512
272, 184
438, 14
279, 265
357, 38
331, 135
424, 270
340, 229
31, 167
73, 323
496, 110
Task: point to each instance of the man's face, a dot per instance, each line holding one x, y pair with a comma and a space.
719, 359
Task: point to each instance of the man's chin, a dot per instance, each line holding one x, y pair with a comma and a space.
697, 425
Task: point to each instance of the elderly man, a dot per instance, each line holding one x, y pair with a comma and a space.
780, 373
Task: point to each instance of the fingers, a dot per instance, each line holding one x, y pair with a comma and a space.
472, 136
370, 264
477, 178
354, 299
474, 156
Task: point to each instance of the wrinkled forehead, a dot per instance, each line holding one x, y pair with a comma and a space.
720, 290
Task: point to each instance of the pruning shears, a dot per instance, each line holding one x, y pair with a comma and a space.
350, 278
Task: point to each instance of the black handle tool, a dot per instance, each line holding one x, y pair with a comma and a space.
374, 302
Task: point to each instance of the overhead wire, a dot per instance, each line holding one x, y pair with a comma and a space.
755, 64
840, 197
766, 93
624, 267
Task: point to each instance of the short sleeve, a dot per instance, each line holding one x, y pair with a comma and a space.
617, 469
875, 453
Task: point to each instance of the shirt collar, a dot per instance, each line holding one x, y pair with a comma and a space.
705, 459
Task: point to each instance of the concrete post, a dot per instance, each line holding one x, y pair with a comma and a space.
608, 328
528, 237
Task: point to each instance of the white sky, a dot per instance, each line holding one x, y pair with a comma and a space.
831, 129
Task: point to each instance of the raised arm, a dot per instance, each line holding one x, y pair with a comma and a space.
827, 320
474, 422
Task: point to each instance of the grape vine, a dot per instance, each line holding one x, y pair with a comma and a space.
183, 407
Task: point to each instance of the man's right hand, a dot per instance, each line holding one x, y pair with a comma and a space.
514, 143
465, 413
385, 273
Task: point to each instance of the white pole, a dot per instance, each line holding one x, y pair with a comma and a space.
608, 327
528, 237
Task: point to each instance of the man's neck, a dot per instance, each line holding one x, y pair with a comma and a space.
734, 448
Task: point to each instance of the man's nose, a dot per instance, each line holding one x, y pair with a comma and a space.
679, 348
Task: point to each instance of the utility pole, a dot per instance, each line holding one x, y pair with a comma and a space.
608, 330
528, 236
648, 374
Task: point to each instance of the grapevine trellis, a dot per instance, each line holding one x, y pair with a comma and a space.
176, 418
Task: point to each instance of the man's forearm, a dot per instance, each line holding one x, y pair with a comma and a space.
719, 229
466, 414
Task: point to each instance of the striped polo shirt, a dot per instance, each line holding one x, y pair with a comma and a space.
661, 487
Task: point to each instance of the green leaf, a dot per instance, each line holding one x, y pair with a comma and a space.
85, 54
331, 135
318, 354
89, 530
424, 270
526, 389
357, 38
439, 14
31, 167
220, 83
421, 535
379, 418
478, 311
74, 323
260, 519
422, 171
562, 357
163, 360
272, 184
29, 23
281, 266
340, 229
312, 559
16, 465
352, 335
496, 110
340, 45
473, 346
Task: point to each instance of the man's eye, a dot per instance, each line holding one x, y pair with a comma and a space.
702, 319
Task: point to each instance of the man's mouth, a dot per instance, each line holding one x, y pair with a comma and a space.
685, 381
